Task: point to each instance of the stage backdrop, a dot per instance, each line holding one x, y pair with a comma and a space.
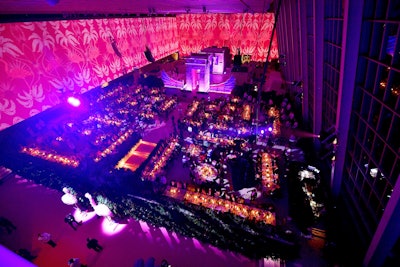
43, 62
249, 32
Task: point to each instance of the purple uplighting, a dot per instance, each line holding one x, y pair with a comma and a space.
73, 101
269, 129
198, 245
146, 230
166, 236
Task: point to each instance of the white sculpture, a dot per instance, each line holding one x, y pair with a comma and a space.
100, 209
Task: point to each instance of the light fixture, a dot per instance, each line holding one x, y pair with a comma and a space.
373, 172
73, 101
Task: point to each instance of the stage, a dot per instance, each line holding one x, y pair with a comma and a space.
225, 82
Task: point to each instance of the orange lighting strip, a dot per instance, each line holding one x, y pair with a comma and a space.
224, 205
168, 104
50, 156
111, 148
215, 140
246, 112
104, 121
269, 179
193, 108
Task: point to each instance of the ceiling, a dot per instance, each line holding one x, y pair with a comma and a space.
131, 7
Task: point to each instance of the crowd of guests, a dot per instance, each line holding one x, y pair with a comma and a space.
92, 131
223, 128
226, 231
197, 121
224, 115
159, 159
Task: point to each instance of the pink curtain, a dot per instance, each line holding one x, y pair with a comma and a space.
251, 33
42, 62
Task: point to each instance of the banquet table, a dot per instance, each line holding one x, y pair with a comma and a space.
223, 205
205, 172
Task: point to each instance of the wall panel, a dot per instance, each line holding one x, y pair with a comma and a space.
249, 32
43, 62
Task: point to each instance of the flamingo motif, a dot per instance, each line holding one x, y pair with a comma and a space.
8, 107
16, 70
26, 99
68, 198
100, 209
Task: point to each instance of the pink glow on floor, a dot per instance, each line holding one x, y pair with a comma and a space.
109, 227
175, 236
217, 252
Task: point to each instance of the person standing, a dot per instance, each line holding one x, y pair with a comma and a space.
75, 262
70, 219
93, 244
46, 238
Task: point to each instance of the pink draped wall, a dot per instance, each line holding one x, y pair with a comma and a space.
249, 32
42, 62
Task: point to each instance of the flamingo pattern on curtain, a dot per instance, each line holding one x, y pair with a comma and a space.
41, 62
251, 33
